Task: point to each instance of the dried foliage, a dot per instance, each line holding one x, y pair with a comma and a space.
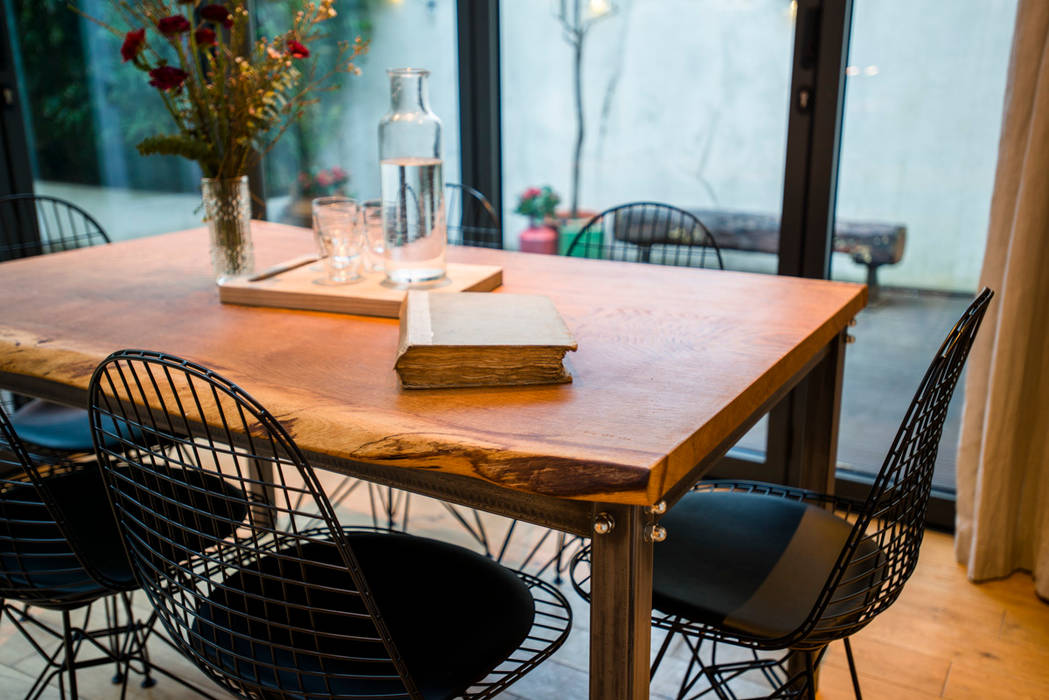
231, 95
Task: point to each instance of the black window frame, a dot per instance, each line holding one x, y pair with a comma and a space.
814, 128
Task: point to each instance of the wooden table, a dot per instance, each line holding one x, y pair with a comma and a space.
673, 366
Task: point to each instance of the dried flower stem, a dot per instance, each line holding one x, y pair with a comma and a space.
238, 96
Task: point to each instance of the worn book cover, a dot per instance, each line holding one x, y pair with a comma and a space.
472, 339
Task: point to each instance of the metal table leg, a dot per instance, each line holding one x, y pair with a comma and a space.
621, 606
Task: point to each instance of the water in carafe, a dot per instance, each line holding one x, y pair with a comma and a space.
412, 183
413, 219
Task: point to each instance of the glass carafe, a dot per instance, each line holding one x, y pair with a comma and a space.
412, 183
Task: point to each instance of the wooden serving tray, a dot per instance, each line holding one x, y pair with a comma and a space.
297, 289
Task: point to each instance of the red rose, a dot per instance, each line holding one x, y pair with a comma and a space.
297, 50
204, 36
323, 178
170, 26
133, 43
217, 13
338, 173
531, 192
167, 78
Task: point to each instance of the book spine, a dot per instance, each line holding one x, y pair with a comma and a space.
416, 327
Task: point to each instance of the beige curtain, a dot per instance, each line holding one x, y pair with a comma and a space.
1003, 454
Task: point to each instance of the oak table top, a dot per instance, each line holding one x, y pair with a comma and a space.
670, 360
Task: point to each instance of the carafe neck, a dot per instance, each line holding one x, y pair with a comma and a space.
408, 90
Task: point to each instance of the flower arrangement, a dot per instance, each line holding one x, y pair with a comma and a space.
322, 183
231, 97
537, 203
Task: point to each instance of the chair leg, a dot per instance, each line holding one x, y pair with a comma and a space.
810, 676
67, 637
112, 622
852, 669
659, 656
560, 551
139, 639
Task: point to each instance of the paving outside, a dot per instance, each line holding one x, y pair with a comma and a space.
126, 214
895, 339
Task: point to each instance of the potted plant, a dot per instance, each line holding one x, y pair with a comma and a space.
538, 204
230, 96
308, 186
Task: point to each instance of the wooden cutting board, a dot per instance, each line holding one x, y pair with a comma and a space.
298, 289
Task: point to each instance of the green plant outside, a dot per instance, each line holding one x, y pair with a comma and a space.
70, 71
590, 244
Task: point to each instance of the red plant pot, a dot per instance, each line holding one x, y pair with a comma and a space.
539, 239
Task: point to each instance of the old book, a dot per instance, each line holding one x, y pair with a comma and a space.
472, 339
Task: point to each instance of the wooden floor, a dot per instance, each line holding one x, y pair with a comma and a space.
944, 637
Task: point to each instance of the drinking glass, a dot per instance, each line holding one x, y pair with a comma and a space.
374, 245
340, 237
318, 204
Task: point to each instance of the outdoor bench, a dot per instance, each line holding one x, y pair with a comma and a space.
868, 243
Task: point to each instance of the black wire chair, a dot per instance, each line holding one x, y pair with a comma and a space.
34, 225
58, 551
769, 567
471, 218
648, 232
291, 604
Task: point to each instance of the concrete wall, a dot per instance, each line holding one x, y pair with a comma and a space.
407, 33
686, 102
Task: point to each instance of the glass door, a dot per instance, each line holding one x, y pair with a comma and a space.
923, 105
84, 113
686, 103
334, 149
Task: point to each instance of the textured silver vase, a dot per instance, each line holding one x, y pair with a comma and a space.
227, 211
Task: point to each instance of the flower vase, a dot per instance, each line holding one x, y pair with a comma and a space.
227, 211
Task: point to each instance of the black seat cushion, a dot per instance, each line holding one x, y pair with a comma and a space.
749, 563
453, 615
38, 564
55, 427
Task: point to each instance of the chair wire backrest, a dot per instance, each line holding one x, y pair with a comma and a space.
39, 561
246, 608
471, 218
882, 550
33, 224
648, 232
